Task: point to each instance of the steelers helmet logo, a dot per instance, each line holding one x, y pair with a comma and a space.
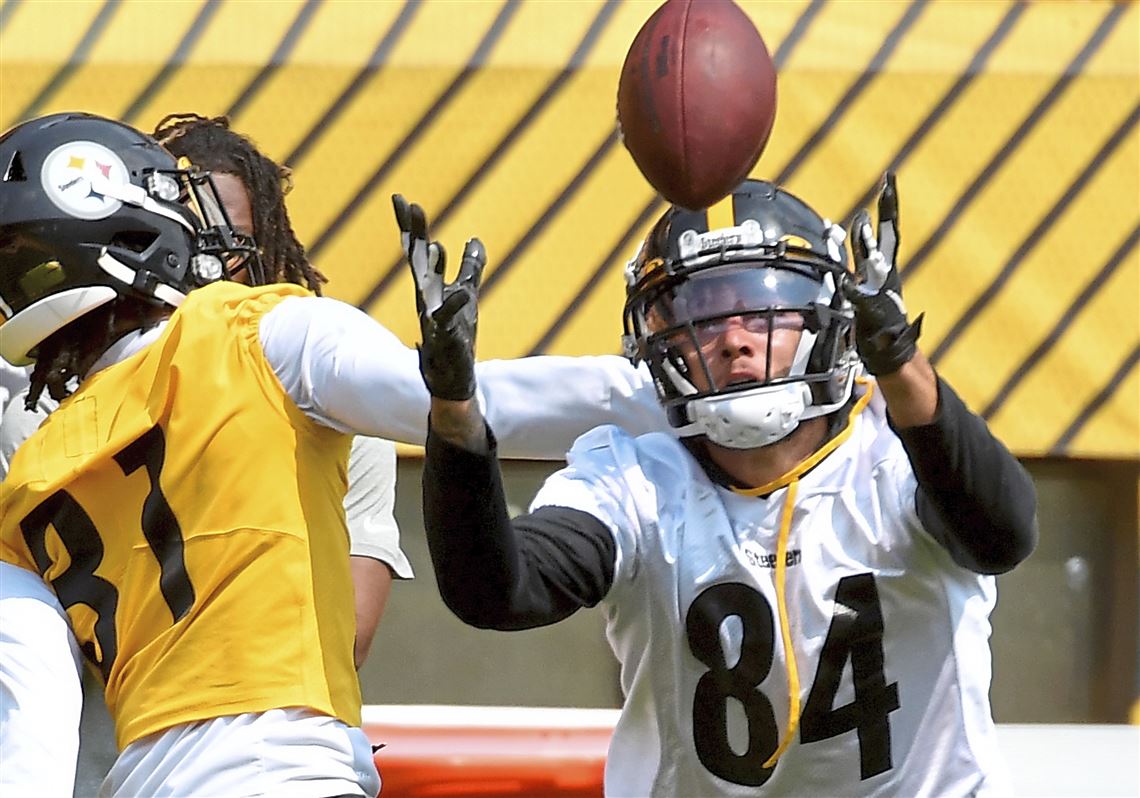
77, 174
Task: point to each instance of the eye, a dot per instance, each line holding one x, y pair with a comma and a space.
788, 321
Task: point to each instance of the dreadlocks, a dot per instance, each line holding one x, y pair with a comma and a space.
64, 357
210, 144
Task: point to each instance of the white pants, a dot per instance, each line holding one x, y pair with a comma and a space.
291, 753
41, 695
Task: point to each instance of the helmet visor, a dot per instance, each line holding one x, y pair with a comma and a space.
735, 289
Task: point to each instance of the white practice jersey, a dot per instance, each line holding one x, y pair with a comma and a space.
889, 635
41, 694
370, 504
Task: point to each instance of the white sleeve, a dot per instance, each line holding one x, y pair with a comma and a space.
369, 504
596, 481
538, 406
13, 380
18, 424
345, 370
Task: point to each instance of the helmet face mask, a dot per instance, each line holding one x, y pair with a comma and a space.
770, 283
92, 210
217, 236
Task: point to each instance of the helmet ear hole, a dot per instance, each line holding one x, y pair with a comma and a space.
133, 240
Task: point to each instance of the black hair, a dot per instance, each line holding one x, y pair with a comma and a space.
210, 144
69, 353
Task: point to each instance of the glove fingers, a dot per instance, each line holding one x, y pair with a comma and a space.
451, 306
862, 240
447, 311
889, 199
437, 258
417, 222
850, 289
471, 268
889, 218
888, 240
403, 213
425, 257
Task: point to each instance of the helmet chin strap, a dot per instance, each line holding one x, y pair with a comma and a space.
128, 276
750, 419
759, 416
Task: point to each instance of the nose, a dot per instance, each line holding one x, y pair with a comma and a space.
738, 341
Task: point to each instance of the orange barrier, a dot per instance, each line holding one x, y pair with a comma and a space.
554, 752
481, 751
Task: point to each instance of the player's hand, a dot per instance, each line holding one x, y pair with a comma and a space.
448, 311
883, 337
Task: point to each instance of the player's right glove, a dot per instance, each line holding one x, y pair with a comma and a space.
883, 337
448, 311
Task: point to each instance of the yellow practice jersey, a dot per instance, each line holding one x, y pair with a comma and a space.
190, 519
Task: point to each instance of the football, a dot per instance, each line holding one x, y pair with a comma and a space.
696, 100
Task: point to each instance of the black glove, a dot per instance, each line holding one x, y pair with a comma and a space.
448, 311
883, 337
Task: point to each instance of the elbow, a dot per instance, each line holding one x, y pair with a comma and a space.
1012, 545
982, 541
1023, 542
1026, 538
1021, 528
1020, 532
472, 608
988, 536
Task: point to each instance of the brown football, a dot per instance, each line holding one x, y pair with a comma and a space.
696, 100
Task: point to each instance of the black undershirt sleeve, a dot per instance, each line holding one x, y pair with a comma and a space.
495, 573
973, 496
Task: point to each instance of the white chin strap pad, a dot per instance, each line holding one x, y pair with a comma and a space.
750, 419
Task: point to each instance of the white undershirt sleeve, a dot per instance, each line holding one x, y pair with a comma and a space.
345, 370
18, 424
369, 504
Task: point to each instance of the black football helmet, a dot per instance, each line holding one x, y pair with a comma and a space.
765, 258
90, 210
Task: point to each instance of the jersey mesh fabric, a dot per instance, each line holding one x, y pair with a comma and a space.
234, 607
890, 635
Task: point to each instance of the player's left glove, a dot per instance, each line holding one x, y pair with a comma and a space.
448, 311
883, 337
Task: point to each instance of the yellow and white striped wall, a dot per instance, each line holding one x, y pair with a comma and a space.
1012, 125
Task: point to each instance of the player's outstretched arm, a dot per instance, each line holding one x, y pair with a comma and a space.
973, 496
348, 372
345, 370
447, 311
887, 342
492, 572
447, 360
